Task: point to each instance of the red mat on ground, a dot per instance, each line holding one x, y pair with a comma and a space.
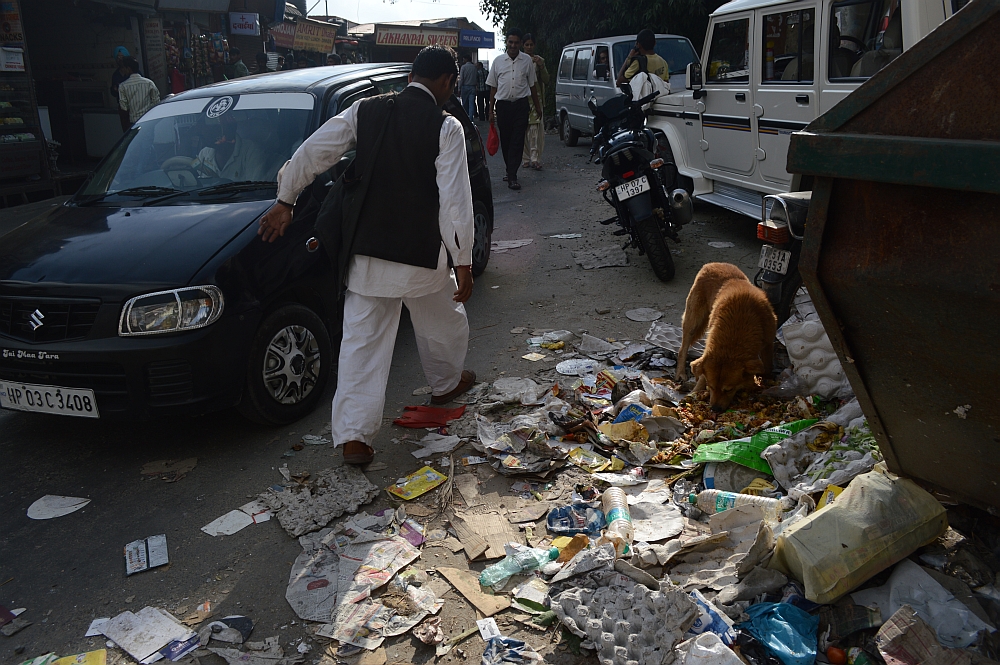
427, 416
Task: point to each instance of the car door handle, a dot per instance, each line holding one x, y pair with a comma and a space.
741, 96
802, 99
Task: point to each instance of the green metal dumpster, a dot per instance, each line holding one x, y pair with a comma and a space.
902, 251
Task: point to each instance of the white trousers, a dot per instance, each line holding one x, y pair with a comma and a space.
370, 326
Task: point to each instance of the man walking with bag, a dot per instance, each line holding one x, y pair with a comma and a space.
512, 81
413, 216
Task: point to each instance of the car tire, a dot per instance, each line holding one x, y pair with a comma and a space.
656, 248
483, 238
569, 135
290, 361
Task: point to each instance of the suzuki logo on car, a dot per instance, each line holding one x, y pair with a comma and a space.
36, 319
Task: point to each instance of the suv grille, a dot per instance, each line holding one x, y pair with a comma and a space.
60, 319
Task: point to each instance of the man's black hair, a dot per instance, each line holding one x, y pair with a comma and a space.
516, 32
335, 57
234, 50
466, 57
131, 64
646, 39
435, 61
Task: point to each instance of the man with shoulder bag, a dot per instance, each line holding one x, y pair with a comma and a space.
398, 233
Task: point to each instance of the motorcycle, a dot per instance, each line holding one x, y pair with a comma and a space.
635, 179
782, 227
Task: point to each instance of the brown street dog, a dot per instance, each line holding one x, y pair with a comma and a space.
741, 326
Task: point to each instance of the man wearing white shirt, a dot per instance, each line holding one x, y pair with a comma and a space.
512, 81
416, 213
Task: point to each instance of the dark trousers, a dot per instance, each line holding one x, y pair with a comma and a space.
512, 124
481, 99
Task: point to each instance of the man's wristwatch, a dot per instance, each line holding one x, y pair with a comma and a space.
287, 205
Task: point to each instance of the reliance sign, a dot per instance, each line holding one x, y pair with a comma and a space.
476, 39
390, 35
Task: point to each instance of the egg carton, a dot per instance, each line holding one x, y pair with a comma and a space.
668, 336
628, 624
813, 358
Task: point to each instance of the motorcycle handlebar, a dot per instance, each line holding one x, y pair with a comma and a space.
648, 98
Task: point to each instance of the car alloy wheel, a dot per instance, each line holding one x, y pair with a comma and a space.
291, 364
483, 238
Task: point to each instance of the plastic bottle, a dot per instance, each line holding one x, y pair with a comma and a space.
522, 560
716, 501
619, 530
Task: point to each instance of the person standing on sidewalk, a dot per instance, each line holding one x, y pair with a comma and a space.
416, 214
467, 85
136, 94
482, 90
236, 67
512, 81
534, 140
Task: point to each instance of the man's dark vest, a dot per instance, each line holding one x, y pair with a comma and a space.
399, 218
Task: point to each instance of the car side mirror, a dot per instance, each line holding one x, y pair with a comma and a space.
692, 76
601, 71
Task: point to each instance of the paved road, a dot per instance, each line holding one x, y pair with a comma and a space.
70, 570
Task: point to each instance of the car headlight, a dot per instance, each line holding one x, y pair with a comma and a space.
171, 311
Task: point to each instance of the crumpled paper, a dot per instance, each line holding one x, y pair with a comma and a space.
312, 506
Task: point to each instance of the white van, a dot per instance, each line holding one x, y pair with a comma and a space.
588, 69
769, 68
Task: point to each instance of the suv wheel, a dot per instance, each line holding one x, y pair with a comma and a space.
483, 238
290, 362
569, 135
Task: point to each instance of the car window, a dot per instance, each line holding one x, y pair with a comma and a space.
566, 64
677, 51
729, 53
864, 37
602, 64
231, 138
581, 66
788, 45
395, 84
349, 100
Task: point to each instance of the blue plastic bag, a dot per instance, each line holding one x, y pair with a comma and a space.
501, 650
788, 632
575, 518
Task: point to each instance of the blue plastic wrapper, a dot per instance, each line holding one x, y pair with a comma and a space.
508, 650
575, 518
711, 620
788, 632
632, 412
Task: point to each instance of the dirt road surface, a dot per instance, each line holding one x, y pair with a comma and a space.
70, 570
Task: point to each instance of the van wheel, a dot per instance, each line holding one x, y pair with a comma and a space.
290, 361
569, 135
656, 248
483, 238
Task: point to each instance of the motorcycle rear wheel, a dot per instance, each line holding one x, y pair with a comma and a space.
656, 248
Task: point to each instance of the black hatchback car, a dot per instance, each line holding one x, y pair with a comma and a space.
149, 293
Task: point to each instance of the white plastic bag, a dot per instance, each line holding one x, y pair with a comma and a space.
644, 84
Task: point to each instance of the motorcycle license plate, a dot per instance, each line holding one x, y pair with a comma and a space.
773, 259
632, 188
48, 399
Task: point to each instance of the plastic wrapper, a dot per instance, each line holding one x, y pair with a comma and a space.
877, 521
746, 451
788, 633
575, 518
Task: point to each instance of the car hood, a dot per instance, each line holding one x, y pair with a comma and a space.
111, 245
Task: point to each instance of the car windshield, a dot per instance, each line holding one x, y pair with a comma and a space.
676, 51
203, 145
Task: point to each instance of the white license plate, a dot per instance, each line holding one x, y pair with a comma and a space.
48, 399
632, 188
773, 259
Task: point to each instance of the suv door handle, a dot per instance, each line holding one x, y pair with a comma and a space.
802, 99
741, 96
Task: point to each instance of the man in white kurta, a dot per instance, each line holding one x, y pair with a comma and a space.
377, 288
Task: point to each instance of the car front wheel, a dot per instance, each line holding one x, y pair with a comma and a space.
483, 238
290, 362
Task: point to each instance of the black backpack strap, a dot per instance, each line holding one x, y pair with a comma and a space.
641, 59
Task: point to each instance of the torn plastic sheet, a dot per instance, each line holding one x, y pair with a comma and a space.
500, 650
596, 558
802, 469
668, 336
312, 506
590, 345
514, 389
739, 540
434, 444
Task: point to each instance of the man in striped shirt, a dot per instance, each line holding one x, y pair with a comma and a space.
136, 94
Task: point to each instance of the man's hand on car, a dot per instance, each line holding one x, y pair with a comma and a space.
464, 276
275, 221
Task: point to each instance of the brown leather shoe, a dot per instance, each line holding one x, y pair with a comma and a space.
468, 380
358, 452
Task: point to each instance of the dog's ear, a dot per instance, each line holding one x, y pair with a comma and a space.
696, 369
754, 367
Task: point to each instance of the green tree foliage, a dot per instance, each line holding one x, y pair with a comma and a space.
555, 23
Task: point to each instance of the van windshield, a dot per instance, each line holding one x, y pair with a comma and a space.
189, 145
676, 51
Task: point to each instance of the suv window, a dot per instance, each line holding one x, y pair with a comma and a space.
729, 55
396, 84
566, 64
581, 66
864, 37
676, 51
789, 45
347, 101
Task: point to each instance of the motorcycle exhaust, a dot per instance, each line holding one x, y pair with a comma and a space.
681, 206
